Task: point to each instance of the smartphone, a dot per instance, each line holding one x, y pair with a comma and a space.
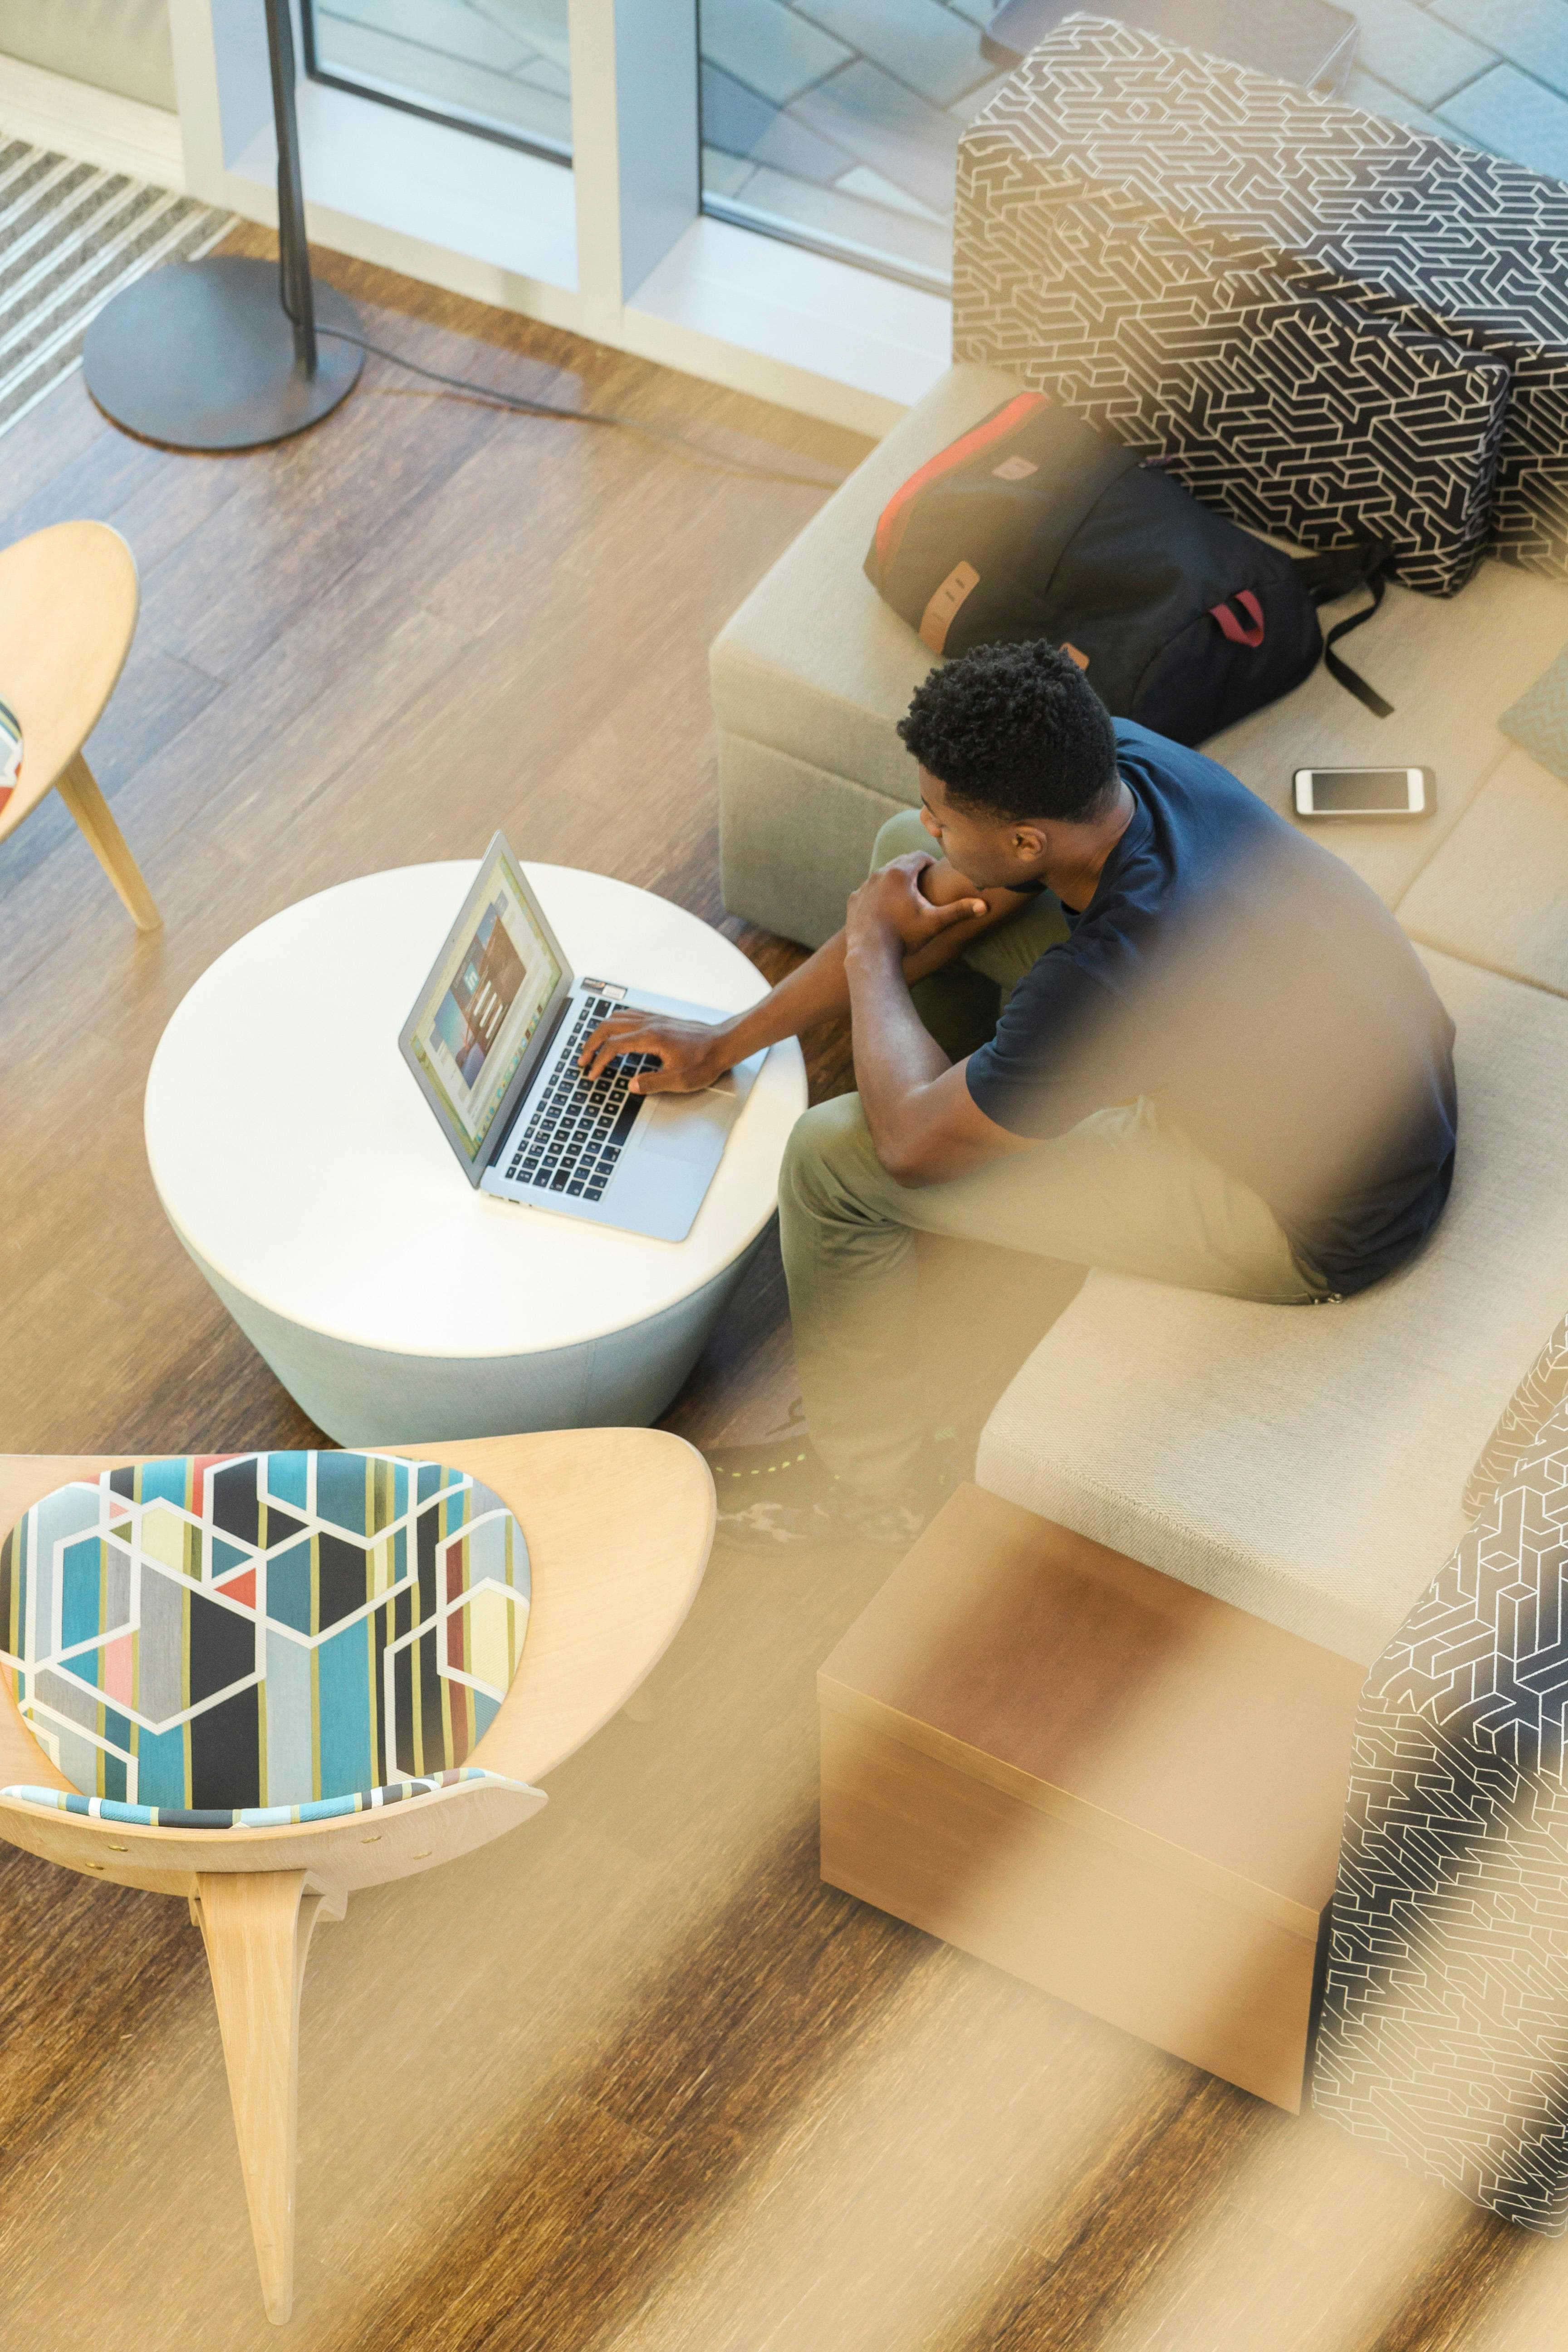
1365, 791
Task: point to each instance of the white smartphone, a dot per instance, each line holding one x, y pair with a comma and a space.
1365, 791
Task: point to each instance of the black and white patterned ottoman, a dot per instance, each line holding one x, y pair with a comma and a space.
1327, 320
1444, 2030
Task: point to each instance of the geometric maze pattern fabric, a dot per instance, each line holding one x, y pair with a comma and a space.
1329, 322
225, 1635
1537, 1397
1444, 2032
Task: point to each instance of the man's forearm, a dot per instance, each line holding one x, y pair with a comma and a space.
814, 992
895, 1053
819, 988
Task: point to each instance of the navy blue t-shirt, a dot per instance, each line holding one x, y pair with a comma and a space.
1242, 978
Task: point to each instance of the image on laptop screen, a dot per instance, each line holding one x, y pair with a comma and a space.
486, 998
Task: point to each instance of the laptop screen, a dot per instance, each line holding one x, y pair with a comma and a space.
479, 1011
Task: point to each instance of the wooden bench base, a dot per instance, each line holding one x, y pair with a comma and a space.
1097, 1779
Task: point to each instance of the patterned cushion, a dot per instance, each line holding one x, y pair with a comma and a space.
1445, 2021
260, 1633
1129, 212
1538, 1394
1539, 720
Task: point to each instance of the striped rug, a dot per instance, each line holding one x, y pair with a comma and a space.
70, 236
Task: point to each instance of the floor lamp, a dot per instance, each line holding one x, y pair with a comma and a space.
225, 355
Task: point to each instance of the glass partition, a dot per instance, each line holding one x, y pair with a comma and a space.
835, 123
498, 66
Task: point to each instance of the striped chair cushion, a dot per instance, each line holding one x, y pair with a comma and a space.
244, 1639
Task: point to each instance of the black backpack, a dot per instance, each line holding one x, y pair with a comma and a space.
1034, 525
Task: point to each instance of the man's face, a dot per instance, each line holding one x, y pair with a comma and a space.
992, 851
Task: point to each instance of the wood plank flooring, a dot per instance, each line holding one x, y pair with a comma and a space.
633, 2080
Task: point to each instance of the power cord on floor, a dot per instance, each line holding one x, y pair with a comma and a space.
494, 397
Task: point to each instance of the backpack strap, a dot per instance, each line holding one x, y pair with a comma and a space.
1248, 632
1339, 572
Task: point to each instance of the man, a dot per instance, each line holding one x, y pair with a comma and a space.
1129, 1017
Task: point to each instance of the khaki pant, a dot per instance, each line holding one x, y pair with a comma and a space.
1124, 1189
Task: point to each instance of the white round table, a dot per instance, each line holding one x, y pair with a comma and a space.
303, 1173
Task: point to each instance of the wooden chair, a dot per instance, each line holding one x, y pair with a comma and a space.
618, 1524
69, 599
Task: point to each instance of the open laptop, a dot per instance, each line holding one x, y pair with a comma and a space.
494, 1041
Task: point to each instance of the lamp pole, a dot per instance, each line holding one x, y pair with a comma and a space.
226, 355
293, 250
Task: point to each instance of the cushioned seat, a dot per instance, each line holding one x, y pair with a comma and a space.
208, 1642
1307, 1463
814, 671
1496, 889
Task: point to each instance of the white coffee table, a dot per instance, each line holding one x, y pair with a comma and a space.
301, 1169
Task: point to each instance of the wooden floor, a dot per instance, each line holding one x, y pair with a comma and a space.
633, 2080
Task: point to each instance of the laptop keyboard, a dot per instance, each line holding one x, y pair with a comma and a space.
578, 1129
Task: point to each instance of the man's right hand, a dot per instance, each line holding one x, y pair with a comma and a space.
894, 900
692, 1054
942, 911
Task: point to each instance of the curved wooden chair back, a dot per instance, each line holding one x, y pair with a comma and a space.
69, 602
619, 1523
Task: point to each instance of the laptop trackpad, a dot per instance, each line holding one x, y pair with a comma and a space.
688, 1127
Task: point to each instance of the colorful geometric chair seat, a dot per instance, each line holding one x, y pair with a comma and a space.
243, 1641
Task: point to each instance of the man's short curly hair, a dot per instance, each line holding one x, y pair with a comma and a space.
1017, 731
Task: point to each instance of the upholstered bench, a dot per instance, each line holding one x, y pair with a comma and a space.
1304, 1465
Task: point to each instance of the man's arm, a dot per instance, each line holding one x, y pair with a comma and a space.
924, 1122
935, 910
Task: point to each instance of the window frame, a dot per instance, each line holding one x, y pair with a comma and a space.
615, 248
546, 150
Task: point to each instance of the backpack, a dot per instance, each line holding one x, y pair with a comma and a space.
1034, 525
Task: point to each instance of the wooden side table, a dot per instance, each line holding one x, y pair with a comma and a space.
1098, 1778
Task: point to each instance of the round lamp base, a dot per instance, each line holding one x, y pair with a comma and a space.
200, 355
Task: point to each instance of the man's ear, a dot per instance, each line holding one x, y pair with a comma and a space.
1027, 842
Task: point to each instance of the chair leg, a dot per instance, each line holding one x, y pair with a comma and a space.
257, 1926
78, 787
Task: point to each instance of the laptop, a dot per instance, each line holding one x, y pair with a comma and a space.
494, 1041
